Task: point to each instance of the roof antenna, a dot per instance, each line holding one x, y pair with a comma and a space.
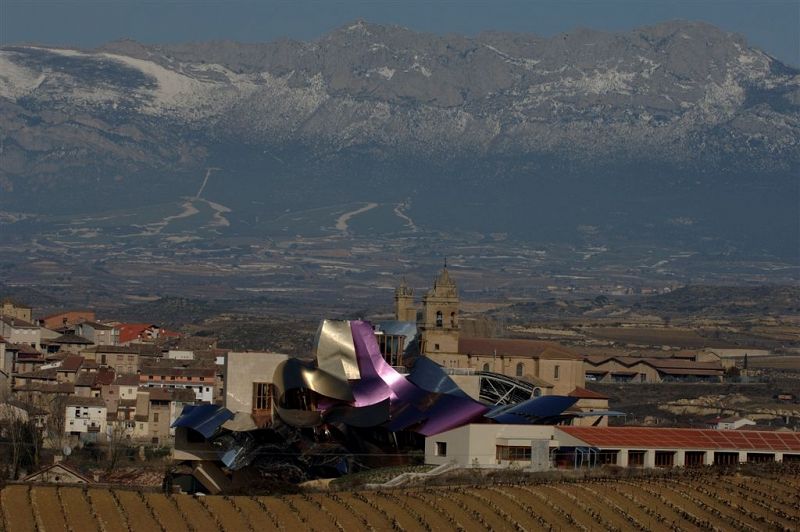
445, 262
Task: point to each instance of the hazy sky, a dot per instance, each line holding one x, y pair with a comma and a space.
773, 25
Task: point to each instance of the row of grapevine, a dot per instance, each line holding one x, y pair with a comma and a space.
701, 502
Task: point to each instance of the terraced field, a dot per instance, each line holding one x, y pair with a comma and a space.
688, 502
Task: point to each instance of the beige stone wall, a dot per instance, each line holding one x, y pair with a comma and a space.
589, 405
450, 360
21, 313
241, 370
470, 384
440, 341
159, 422
570, 374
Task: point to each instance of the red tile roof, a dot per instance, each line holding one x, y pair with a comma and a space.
515, 348
130, 379
71, 363
583, 393
129, 332
668, 438
105, 376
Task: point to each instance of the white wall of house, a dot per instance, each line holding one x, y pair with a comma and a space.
85, 419
180, 355
21, 335
476, 445
734, 424
203, 391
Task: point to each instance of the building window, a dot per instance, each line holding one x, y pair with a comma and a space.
173, 378
556, 371
726, 459
441, 448
439, 319
391, 347
760, 457
607, 456
694, 458
513, 453
520, 369
636, 458
435, 347
155, 417
665, 458
486, 367
262, 397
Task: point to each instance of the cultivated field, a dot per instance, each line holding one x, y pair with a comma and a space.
685, 502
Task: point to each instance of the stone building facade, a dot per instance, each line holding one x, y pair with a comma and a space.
548, 365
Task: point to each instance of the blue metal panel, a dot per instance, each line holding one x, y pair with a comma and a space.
205, 419
528, 412
431, 377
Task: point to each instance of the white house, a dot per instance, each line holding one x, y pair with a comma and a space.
175, 354
85, 417
733, 423
98, 333
19, 331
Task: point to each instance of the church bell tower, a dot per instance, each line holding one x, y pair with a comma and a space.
439, 325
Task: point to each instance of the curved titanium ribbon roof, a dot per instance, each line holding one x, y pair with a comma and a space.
359, 388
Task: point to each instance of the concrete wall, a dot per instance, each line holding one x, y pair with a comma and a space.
241, 370
476, 445
470, 384
570, 374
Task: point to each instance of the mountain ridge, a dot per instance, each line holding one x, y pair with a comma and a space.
679, 107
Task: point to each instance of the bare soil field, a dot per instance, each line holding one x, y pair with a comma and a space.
778, 362
672, 336
702, 500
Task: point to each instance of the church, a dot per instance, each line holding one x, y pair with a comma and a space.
552, 368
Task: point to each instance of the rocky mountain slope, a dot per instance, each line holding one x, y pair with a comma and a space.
678, 114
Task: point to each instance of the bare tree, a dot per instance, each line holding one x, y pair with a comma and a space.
22, 439
54, 427
118, 443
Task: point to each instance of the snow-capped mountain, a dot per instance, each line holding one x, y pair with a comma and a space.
676, 104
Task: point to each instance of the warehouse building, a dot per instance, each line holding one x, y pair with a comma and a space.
542, 447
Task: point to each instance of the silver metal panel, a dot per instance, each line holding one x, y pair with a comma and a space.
335, 351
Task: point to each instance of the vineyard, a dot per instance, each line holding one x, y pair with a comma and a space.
682, 502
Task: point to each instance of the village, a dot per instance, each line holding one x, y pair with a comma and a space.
75, 381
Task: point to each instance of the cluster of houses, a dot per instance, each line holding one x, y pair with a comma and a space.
133, 379
93, 381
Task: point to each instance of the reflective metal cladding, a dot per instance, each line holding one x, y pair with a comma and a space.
353, 385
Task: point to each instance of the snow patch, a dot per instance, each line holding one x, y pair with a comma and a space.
384, 72
603, 82
422, 69
524, 62
15, 80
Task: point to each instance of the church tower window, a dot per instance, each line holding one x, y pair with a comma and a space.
439, 319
